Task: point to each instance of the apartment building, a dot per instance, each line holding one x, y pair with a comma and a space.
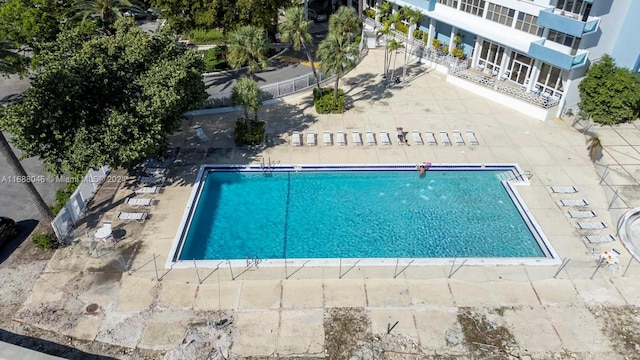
542, 48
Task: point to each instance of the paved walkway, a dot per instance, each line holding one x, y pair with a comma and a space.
282, 311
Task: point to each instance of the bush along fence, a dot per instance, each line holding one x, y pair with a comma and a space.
65, 221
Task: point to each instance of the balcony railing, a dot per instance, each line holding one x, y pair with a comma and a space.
503, 87
568, 23
557, 55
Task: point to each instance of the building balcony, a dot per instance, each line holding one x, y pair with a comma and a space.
568, 23
557, 55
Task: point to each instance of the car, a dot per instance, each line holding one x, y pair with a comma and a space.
318, 16
319, 11
8, 229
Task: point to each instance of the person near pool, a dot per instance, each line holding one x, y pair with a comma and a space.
422, 168
401, 137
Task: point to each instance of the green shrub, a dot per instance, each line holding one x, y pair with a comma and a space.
425, 38
242, 136
436, 43
418, 34
62, 195
400, 26
205, 37
458, 52
323, 101
445, 48
370, 13
44, 241
215, 59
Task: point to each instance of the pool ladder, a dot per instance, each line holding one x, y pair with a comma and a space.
267, 168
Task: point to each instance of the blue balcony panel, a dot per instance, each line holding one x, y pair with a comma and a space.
557, 55
571, 24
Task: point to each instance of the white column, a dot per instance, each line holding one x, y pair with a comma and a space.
453, 34
535, 70
504, 62
477, 47
432, 32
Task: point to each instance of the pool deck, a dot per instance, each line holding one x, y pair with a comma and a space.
278, 311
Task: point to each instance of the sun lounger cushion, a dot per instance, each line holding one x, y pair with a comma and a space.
417, 139
598, 238
431, 139
588, 225
371, 139
147, 190
311, 139
471, 136
296, 139
582, 214
342, 138
457, 137
384, 138
133, 202
573, 202
151, 180
444, 138
128, 216
563, 189
326, 138
357, 139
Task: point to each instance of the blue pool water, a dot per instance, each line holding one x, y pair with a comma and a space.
356, 214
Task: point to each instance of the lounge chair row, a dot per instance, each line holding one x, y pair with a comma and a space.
579, 212
382, 137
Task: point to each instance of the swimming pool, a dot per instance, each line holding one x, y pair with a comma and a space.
356, 212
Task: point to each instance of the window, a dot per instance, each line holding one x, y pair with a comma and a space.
528, 23
451, 3
474, 7
500, 14
519, 68
550, 80
562, 38
491, 57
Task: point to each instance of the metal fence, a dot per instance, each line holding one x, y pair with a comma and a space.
65, 220
271, 91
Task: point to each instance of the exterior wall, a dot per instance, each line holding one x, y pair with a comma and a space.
626, 48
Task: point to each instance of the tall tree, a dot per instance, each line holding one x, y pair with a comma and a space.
295, 29
110, 100
10, 61
104, 12
337, 56
394, 46
384, 9
609, 94
413, 17
385, 32
246, 93
345, 23
247, 46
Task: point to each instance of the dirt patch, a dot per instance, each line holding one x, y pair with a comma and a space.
622, 326
484, 336
347, 331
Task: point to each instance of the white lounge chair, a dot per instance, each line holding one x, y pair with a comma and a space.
582, 214
326, 138
201, 135
151, 180
563, 189
357, 138
296, 138
572, 202
471, 137
133, 202
311, 139
592, 239
146, 190
127, 216
371, 139
444, 138
417, 139
591, 225
384, 138
431, 139
342, 138
457, 137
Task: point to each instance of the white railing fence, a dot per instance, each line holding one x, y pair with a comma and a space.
66, 219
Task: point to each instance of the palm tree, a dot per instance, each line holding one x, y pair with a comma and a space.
337, 55
344, 22
246, 93
413, 17
247, 46
394, 46
385, 31
594, 147
106, 12
384, 9
295, 29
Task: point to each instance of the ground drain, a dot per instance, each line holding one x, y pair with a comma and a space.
92, 308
